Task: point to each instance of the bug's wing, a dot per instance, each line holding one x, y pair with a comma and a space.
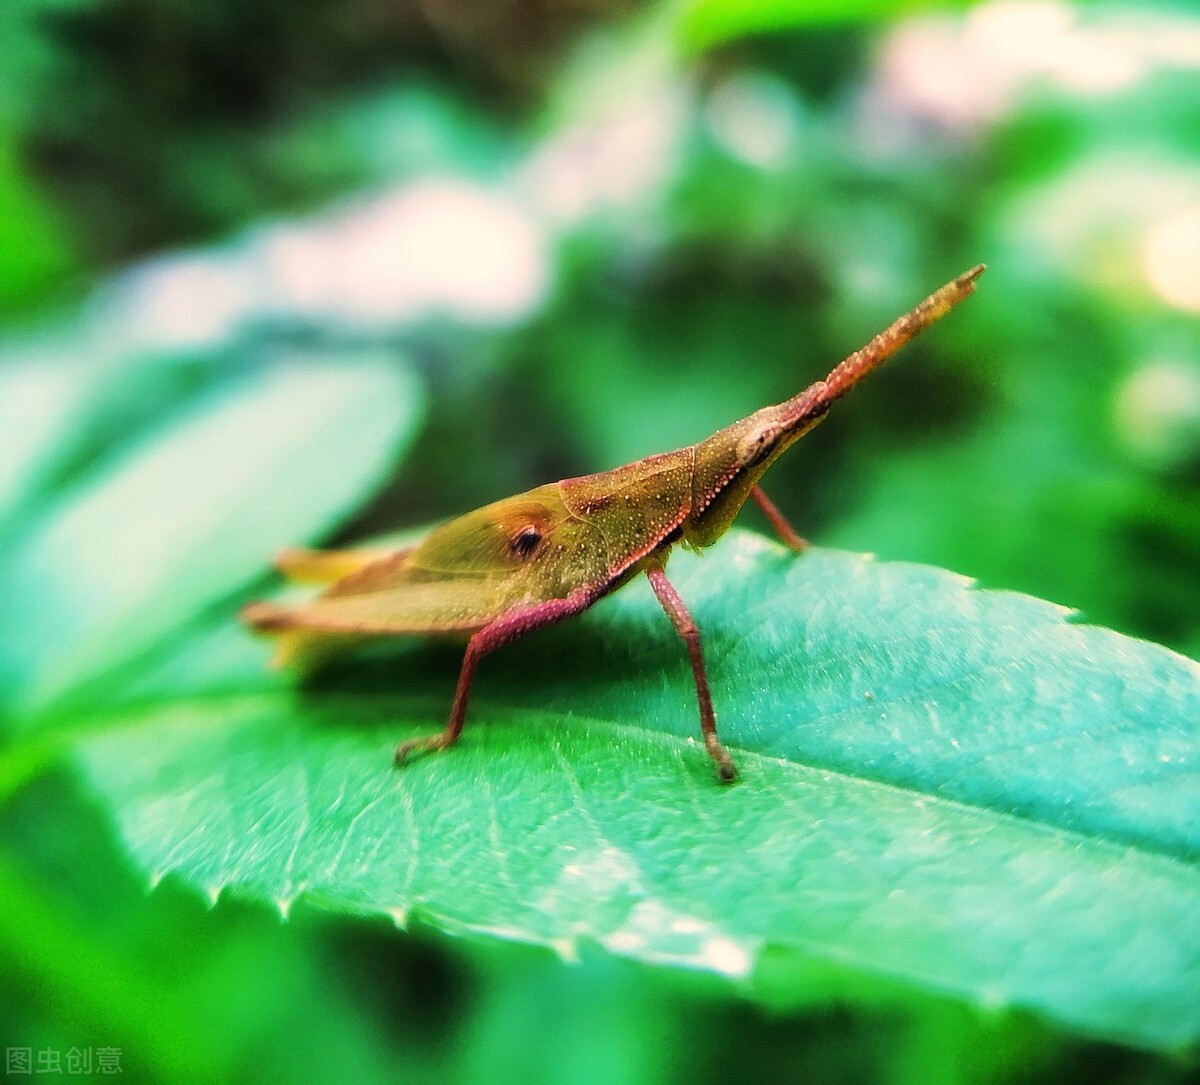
389, 596
530, 547
326, 566
467, 573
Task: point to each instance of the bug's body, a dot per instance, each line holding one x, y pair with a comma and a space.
529, 560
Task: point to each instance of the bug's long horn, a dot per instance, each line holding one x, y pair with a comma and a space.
887, 342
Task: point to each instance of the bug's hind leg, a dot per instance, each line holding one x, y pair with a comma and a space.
504, 629
686, 628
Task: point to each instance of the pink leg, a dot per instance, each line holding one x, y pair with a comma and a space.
686, 628
508, 628
785, 530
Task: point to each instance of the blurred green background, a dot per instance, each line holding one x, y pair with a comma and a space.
586, 232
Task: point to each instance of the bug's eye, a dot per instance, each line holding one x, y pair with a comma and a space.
754, 446
526, 541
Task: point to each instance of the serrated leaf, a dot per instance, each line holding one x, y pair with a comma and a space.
280, 456
942, 787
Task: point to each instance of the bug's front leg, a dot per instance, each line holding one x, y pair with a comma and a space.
686, 628
507, 628
778, 521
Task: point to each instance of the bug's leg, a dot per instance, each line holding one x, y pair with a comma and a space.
325, 566
686, 628
507, 628
778, 521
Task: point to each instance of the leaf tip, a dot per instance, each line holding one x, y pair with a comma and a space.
993, 998
283, 905
567, 949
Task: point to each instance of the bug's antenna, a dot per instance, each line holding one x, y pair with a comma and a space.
887, 342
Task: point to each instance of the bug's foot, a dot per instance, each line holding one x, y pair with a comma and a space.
726, 770
787, 535
423, 745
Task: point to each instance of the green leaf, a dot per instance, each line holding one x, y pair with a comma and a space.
45, 397
277, 458
942, 789
705, 23
35, 248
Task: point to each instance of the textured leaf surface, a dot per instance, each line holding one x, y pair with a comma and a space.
280, 456
941, 787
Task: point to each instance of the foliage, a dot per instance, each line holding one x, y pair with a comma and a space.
941, 787
964, 843
705, 23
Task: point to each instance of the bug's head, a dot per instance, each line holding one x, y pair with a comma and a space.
758, 442
732, 460
768, 433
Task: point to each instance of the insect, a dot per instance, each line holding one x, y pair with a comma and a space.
516, 565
